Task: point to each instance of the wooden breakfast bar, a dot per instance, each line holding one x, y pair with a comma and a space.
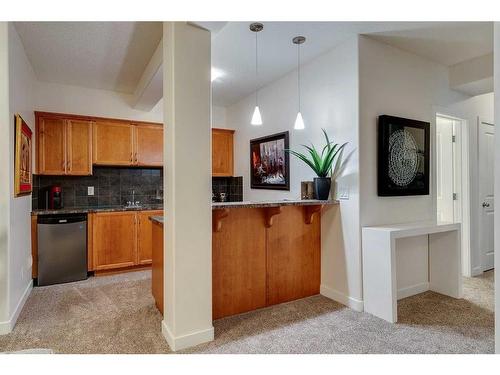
263, 253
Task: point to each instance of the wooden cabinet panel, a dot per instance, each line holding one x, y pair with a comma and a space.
157, 267
51, 135
148, 145
239, 263
114, 240
293, 256
222, 152
113, 143
79, 147
144, 236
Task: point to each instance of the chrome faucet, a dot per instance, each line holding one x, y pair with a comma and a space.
134, 203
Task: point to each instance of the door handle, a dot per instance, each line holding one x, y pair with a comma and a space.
486, 204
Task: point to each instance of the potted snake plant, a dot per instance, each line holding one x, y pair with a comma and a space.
327, 165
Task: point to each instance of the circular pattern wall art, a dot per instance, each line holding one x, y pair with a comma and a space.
403, 157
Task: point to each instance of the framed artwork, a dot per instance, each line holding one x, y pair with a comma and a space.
269, 162
23, 172
403, 156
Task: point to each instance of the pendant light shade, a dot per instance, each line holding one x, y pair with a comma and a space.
299, 121
256, 117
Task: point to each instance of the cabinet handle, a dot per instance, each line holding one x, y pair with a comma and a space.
136, 157
131, 157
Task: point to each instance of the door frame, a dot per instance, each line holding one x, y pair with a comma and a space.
479, 209
463, 144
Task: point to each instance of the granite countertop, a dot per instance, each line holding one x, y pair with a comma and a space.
84, 210
276, 203
156, 219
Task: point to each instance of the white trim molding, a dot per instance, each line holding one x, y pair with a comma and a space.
337, 296
413, 289
7, 326
188, 340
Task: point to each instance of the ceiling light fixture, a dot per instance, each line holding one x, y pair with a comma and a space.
216, 73
299, 121
256, 118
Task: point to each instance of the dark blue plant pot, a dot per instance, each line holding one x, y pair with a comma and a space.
322, 187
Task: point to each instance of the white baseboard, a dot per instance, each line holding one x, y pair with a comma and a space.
7, 326
476, 271
412, 290
186, 341
348, 301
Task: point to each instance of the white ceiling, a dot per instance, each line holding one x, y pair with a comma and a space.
114, 55
233, 47
101, 55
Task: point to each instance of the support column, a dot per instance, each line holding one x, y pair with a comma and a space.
187, 180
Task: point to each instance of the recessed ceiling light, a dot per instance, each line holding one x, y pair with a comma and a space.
216, 73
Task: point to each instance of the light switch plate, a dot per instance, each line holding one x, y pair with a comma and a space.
343, 192
90, 190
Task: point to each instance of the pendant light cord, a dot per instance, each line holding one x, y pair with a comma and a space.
298, 71
256, 73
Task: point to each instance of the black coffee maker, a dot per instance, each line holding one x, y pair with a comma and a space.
51, 198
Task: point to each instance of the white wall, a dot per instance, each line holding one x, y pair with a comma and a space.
497, 189
21, 93
395, 82
5, 183
477, 108
329, 98
52, 97
218, 117
16, 231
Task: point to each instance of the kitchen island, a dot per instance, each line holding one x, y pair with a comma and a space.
263, 253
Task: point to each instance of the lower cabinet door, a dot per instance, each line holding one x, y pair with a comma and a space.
239, 263
293, 256
144, 236
114, 240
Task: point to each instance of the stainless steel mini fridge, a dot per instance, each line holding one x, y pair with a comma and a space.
62, 248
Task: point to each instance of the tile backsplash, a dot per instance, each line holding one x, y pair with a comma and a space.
112, 187
232, 186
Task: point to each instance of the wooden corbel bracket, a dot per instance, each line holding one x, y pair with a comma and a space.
270, 212
310, 211
217, 216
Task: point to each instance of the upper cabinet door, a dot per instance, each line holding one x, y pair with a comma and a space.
113, 143
51, 135
79, 147
222, 152
149, 145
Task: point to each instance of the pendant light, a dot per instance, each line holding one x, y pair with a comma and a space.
256, 118
299, 121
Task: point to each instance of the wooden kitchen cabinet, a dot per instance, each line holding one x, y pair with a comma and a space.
148, 145
113, 143
144, 236
64, 146
71, 144
79, 147
114, 241
121, 239
222, 152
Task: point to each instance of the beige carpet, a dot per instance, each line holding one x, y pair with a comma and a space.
116, 314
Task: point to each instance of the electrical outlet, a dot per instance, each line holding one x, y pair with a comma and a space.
90, 190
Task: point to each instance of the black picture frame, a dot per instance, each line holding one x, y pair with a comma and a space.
260, 171
403, 155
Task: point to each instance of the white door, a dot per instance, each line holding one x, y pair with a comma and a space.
486, 193
444, 170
